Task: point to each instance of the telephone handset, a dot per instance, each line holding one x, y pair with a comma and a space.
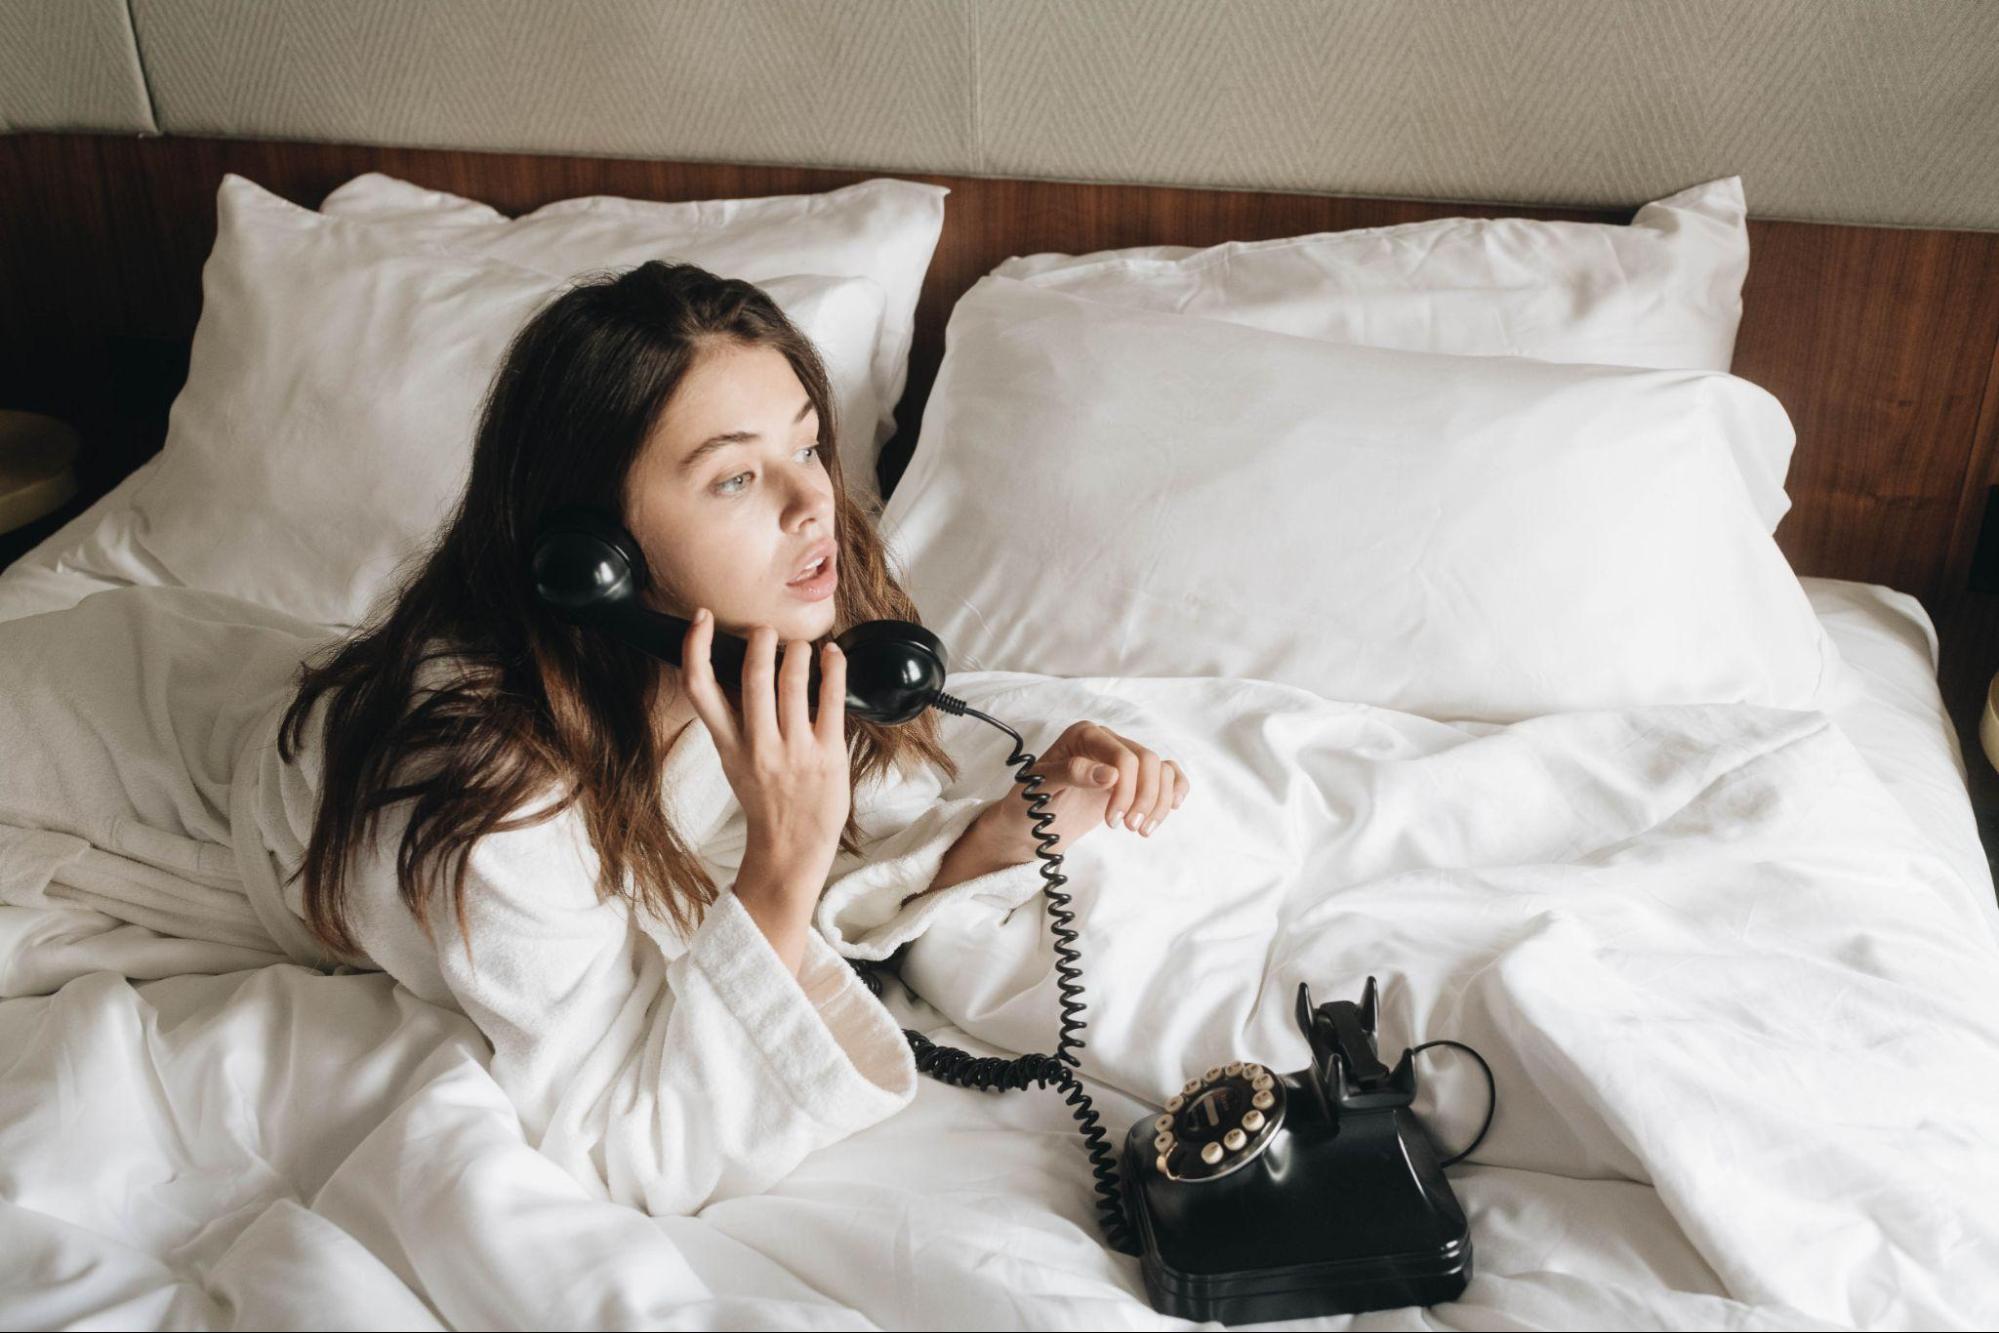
1255, 1196
591, 571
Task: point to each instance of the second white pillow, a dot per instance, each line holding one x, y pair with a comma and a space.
1664, 293
1107, 491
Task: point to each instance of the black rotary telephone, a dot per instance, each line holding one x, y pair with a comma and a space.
1255, 1196
1262, 1196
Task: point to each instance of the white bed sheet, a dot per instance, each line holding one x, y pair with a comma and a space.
132, 1194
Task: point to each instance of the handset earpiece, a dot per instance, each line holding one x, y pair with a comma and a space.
590, 570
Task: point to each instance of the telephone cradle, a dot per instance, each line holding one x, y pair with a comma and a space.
1259, 1197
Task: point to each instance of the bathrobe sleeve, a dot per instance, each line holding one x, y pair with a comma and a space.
870, 908
665, 1082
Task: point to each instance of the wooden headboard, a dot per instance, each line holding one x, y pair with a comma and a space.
1881, 342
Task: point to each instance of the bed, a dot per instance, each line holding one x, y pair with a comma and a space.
1803, 934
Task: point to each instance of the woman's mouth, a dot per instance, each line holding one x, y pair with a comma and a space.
817, 584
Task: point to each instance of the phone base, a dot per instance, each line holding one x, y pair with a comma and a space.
1258, 1196
1345, 1284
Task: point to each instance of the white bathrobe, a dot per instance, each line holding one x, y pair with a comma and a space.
141, 728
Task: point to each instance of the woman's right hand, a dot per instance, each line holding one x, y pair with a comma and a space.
789, 771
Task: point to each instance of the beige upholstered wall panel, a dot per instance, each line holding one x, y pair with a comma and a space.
871, 83
1864, 111
70, 64
1878, 111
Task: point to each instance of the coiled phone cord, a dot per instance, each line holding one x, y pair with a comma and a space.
991, 1073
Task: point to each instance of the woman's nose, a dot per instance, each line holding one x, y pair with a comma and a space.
811, 503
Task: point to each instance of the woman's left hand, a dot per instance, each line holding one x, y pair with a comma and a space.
1094, 777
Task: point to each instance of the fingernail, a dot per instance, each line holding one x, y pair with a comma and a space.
1150, 825
701, 616
1113, 816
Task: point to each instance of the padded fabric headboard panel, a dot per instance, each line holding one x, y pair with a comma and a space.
71, 63
1884, 112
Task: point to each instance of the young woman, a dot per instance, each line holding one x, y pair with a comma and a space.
520, 818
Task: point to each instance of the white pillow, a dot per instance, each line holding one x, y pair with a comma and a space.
884, 229
325, 431
1105, 491
1664, 292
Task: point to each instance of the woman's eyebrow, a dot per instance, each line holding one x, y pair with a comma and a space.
714, 442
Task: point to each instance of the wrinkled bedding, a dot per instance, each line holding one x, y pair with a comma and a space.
1741, 998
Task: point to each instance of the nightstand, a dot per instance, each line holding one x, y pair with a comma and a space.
37, 480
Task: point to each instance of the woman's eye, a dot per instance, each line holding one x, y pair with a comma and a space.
725, 488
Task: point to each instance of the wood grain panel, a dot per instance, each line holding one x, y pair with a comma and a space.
1879, 341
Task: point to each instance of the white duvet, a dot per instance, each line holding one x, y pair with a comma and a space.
1744, 1020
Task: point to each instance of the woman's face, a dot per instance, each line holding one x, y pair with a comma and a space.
729, 497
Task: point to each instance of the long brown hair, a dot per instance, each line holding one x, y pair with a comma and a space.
539, 702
